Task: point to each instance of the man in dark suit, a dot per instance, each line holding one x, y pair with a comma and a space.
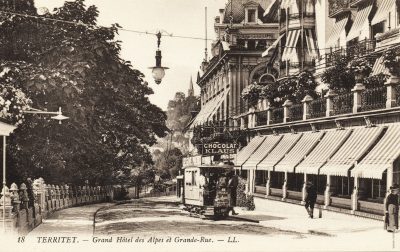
311, 198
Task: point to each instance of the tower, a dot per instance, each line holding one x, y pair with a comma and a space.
191, 90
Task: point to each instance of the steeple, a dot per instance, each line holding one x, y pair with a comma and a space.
191, 90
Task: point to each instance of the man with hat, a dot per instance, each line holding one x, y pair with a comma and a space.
392, 209
311, 198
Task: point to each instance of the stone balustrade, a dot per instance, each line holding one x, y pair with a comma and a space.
22, 215
358, 100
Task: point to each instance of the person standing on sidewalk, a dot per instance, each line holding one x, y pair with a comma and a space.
311, 198
392, 209
232, 187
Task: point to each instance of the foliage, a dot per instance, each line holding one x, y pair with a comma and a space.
375, 80
292, 88
360, 67
168, 163
112, 121
179, 113
391, 60
244, 200
251, 94
338, 77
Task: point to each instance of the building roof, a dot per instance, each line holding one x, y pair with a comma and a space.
238, 8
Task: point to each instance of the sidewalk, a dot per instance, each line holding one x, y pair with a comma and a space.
335, 231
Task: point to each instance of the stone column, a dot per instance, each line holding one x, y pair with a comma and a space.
8, 215
268, 185
307, 107
357, 91
15, 197
329, 103
391, 92
269, 113
284, 187
304, 191
327, 193
23, 195
354, 196
242, 122
250, 117
286, 111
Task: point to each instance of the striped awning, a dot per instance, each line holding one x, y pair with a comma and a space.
302, 148
381, 157
273, 46
289, 53
379, 67
249, 149
336, 30
210, 108
311, 44
359, 142
383, 11
359, 21
326, 148
263, 150
284, 146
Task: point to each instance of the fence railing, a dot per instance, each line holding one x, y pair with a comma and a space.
318, 108
262, 118
342, 104
374, 98
277, 116
296, 112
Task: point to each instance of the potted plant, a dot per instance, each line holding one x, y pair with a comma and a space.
251, 94
391, 61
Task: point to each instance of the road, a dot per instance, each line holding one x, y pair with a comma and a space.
158, 224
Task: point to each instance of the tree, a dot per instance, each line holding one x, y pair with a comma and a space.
77, 66
168, 163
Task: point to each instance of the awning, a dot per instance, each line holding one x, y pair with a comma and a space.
265, 148
381, 157
249, 149
383, 11
360, 19
311, 45
209, 108
303, 147
326, 148
336, 30
273, 46
359, 142
283, 147
379, 67
294, 8
290, 46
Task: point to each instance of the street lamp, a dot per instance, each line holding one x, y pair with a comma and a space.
58, 115
158, 71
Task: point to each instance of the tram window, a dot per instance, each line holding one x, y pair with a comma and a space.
188, 178
194, 177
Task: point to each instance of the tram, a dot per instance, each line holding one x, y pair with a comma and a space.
205, 190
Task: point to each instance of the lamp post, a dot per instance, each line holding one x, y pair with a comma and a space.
57, 116
158, 71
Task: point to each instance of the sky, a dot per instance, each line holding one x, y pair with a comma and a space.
177, 17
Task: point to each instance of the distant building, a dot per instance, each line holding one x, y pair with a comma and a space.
191, 89
244, 30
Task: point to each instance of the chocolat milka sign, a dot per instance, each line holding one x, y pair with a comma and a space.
219, 148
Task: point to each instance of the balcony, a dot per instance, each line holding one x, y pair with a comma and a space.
361, 48
338, 6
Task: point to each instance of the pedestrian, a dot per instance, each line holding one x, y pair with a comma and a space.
311, 198
232, 188
392, 209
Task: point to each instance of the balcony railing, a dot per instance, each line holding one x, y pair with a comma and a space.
318, 108
343, 104
296, 112
337, 5
262, 118
374, 98
361, 48
277, 116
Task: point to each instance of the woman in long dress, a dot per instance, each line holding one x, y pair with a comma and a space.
392, 210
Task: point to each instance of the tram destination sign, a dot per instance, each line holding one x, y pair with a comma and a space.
220, 148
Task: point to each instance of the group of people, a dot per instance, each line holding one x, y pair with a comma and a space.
391, 215
228, 181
